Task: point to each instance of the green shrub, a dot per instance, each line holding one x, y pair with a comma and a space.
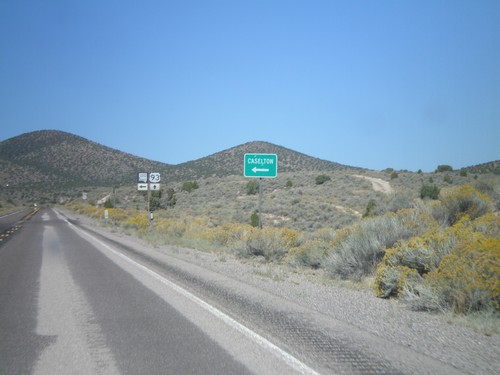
108, 204
370, 208
448, 179
429, 191
254, 219
444, 168
155, 200
322, 178
171, 199
252, 187
394, 175
189, 186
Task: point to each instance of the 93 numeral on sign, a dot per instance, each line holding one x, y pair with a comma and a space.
154, 178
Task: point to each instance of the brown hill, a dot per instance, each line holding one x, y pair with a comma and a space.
230, 162
52, 159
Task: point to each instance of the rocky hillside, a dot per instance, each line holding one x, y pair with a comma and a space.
54, 166
491, 167
54, 159
230, 162
50, 160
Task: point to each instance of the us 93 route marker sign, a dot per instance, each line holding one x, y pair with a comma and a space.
148, 181
261, 165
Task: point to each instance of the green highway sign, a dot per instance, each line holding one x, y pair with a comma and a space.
261, 165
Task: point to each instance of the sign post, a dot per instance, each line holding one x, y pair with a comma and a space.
260, 166
149, 182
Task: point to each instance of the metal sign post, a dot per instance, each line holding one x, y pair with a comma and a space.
260, 202
260, 166
149, 182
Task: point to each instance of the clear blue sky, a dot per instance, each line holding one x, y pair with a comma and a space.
376, 84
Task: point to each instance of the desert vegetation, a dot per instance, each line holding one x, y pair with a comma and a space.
429, 239
435, 247
454, 263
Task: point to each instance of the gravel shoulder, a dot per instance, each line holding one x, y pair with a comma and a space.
428, 334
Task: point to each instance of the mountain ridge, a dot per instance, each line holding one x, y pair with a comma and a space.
54, 158
230, 161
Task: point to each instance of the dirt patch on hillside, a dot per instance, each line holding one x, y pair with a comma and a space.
378, 184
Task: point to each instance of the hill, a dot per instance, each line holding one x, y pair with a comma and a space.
53, 166
51, 159
230, 162
491, 167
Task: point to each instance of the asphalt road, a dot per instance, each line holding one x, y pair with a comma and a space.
75, 301
11, 223
67, 307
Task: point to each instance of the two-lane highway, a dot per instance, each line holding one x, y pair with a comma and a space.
71, 305
75, 301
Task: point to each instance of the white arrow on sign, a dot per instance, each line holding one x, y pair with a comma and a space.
255, 169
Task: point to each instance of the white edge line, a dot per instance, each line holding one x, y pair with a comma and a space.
264, 343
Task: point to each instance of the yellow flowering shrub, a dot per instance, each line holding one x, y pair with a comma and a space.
117, 215
196, 226
468, 278
424, 253
271, 243
488, 224
460, 265
465, 200
138, 221
170, 227
225, 234
416, 221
